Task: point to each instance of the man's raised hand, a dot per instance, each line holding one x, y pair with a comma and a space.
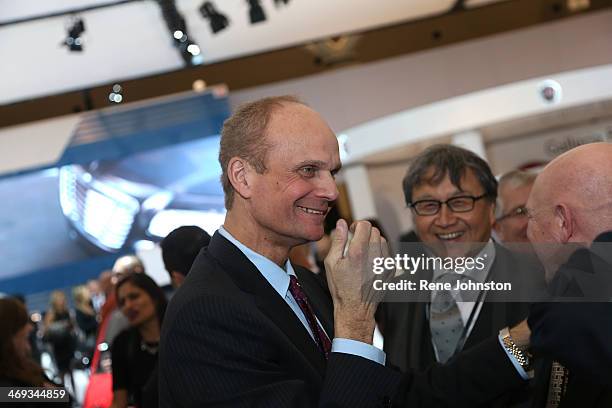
350, 275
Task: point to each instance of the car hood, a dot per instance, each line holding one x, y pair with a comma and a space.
185, 168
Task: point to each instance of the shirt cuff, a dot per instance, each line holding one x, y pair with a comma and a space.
358, 348
515, 363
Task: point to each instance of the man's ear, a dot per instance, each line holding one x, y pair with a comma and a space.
564, 222
238, 173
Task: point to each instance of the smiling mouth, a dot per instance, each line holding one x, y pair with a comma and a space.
312, 210
450, 236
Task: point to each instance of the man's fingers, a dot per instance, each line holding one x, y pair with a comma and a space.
338, 241
375, 236
384, 247
362, 232
374, 248
386, 253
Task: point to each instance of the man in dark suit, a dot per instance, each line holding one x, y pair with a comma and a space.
180, 248
452, 192
571, 203
248, 328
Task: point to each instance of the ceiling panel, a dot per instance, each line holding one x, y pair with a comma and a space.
131, 40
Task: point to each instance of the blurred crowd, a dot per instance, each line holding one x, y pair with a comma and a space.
107, 329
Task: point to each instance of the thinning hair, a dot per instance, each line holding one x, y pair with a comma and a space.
517, 178
243, 136
513, 179
452, 160
128, 264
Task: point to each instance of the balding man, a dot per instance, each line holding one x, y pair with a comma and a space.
511, 218
571, 203
249, 328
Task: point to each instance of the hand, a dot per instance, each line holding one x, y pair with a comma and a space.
520, 334
350, 277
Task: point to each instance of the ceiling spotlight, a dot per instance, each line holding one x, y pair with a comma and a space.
179, 35
191, 53
256, 12
189, 50
116, 96
218, 21
193, 49
73, 40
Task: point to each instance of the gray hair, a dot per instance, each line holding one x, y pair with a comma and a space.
452, 160
513, 179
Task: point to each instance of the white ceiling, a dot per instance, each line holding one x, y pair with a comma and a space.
131, 40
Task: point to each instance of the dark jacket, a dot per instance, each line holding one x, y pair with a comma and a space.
577, 333
228, 339
405, 326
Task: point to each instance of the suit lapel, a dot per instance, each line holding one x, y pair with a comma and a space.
248, 278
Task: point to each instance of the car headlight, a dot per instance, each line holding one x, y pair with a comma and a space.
166, 221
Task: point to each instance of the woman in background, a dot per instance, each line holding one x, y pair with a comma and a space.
17, 369
134, 351
58, 330
85, 320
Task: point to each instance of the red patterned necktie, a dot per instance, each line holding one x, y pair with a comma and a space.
300, 297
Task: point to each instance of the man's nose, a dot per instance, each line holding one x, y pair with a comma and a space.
445, 216
327, 187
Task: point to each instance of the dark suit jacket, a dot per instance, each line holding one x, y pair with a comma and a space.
408, 342
228, 339
406, 330
578, 335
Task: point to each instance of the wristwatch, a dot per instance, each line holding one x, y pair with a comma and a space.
519, 354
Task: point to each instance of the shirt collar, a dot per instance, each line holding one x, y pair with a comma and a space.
276, 276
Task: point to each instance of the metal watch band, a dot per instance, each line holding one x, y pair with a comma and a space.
515, 350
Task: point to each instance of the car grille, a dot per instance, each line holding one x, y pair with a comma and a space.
102, 213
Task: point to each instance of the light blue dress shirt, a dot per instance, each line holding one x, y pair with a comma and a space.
279, 280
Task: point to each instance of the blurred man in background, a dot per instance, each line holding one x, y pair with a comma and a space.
180, 248
511, 217
452, 193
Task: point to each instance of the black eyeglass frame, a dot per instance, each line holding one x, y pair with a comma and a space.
450, 200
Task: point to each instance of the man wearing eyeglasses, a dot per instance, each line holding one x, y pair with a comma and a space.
451, 193
511, 222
